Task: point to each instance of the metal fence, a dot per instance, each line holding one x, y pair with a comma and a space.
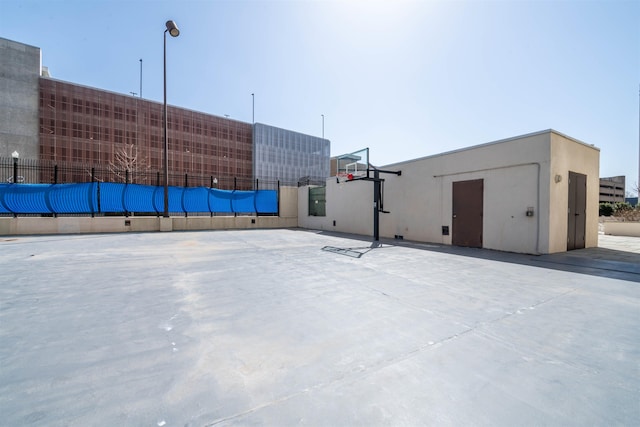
32, 171
39, 175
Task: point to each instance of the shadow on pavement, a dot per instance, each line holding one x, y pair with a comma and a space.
602, 262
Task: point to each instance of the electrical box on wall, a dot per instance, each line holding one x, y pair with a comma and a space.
445, 230
530, 211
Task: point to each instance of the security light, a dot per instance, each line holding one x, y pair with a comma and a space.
173, 29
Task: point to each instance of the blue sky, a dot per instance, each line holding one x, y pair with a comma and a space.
405, 78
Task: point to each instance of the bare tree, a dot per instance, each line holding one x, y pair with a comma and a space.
126, 159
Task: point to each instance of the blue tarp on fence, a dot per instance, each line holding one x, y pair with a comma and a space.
95, 197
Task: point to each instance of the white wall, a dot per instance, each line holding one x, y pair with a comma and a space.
420, 200
517, 175
349, 204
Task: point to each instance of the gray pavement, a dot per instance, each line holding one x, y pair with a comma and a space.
263, 327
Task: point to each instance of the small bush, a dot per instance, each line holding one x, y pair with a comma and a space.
622, 207
628, 214
606, 209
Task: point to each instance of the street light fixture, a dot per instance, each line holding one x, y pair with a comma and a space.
173, 30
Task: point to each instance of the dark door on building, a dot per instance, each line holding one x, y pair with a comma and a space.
577, 211
466, 223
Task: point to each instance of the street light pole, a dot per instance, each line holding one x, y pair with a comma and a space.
322, 125
172, 28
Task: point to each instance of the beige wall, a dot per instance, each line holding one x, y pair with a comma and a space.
570, 155
420, 200
72, 225
517, 175
76, 225
631, 229
349, 204
289, 202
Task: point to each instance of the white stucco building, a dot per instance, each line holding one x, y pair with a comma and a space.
536, 193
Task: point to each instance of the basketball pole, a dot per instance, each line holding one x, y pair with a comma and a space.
377, 186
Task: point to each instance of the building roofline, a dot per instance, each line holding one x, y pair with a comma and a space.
500, 141
20, 43
142, 99
290, 131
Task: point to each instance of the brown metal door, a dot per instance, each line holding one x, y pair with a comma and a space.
467, 213
576, 212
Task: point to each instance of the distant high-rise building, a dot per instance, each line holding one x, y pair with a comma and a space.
612, 189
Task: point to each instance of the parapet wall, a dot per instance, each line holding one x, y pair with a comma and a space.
32, 225
79, 225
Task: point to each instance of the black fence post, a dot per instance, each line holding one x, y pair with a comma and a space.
235, 187
15, 169
278, 197
93, 179
158, 179
55, 174
255, 195
126, 176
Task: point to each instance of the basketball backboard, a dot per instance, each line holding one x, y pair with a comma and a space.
354, 164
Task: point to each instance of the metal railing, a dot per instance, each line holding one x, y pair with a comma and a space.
30, 171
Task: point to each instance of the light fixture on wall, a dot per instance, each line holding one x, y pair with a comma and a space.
558, 178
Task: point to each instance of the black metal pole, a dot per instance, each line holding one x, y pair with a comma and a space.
15, 170
93, 179
376, 203
174, 32
166, 141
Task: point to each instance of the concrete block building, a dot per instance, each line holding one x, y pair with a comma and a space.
536, 193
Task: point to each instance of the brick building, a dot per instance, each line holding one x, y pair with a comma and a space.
58, 121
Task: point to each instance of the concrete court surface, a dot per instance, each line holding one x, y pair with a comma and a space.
263, 327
